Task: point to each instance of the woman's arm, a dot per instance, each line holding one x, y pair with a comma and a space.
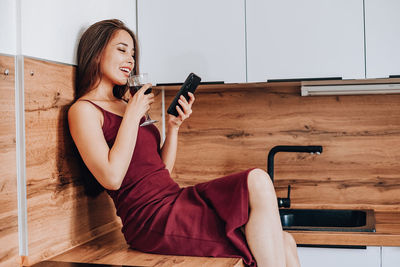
169, 148
109, 166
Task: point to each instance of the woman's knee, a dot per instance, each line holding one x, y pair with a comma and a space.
260, 185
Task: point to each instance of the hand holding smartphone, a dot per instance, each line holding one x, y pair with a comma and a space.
190, 85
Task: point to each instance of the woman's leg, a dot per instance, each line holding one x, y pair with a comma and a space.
292, 259
263, 231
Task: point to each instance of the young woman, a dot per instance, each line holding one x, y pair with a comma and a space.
233, 216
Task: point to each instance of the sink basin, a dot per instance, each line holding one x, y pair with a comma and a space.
328, 220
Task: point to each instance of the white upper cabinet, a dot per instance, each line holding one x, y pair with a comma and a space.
382, 32
206, 37
305, 39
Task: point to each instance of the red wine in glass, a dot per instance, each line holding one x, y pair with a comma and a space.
135, 82
134, 89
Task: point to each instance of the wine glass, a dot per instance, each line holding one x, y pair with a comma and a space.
135, 82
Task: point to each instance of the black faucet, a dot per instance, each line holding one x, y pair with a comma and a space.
285, 202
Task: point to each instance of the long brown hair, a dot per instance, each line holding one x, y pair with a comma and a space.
88, 75
90, 50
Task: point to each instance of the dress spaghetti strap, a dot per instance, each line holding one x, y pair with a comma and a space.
102, 109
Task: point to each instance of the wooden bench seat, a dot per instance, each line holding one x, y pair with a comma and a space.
111, 248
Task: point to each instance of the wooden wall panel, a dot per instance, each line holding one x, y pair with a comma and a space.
8, 174
60, 216
232, 130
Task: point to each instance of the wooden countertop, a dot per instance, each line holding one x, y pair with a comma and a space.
112, 249
387, 234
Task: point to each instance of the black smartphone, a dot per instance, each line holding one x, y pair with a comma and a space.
190, 85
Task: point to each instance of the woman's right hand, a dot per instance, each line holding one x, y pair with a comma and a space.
140, 103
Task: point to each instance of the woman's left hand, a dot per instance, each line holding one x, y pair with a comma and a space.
176, 122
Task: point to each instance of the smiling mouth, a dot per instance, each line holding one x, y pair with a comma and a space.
126, 70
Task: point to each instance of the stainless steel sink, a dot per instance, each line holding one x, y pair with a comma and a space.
328, 220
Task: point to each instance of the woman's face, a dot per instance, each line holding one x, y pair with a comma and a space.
117, 60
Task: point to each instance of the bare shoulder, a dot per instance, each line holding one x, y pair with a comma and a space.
82, 111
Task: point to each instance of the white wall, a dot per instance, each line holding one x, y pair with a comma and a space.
51, 29
8, 27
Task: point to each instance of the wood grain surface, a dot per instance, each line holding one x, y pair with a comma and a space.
8, 173
387, 234
112, 249
60, 216
230, 131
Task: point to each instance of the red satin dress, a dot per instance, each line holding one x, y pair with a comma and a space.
160, 217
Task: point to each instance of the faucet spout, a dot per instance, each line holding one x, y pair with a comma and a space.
285, 202
297, 149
